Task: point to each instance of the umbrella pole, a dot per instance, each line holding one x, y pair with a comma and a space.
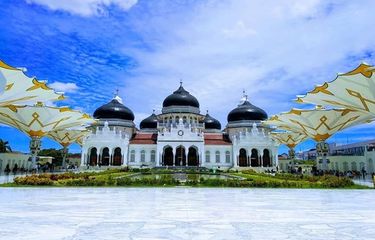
35, 144
65, 153
292, 156
322, 149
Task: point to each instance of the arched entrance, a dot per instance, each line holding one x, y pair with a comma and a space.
168, 156
105, 157
193, 158
242, 158
370, 166
254, 158
180, 158
117, 157
266, 158
93, 157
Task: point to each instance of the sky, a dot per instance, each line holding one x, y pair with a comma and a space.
274, 50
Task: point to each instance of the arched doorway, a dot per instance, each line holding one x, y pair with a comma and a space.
254, 158
266, 158
193, 158
168, 156
117, 157
93, 157
105, 157
370, 168
242, 158
180, 158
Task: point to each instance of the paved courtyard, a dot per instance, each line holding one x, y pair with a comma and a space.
185, 213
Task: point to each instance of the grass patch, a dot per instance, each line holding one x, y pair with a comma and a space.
194, 178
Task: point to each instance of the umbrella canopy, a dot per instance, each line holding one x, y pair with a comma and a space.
290, 139
318, 124
352, 90
38, 120
17, 88
67, 136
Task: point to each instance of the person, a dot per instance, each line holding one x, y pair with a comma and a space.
363, 173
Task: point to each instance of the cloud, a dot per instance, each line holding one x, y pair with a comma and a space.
274, 50
85, 8
64, 87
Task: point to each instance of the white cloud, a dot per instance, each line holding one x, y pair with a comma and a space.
85, 7
64, 87
273, 49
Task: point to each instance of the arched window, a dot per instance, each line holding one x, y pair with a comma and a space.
207, 156
354, 166
345, 166
153, 155
227, 157
217, 156
143, 156
132, 156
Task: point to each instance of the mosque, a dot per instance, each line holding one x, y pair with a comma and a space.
180, 136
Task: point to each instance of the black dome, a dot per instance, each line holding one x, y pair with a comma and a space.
114, 109
149, 122
211, 123
247, 111
181, 97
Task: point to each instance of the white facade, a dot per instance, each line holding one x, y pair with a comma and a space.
14, 159
179, 137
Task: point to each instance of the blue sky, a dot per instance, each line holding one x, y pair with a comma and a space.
272, 49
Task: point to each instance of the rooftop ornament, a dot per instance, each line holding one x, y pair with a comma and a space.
353, 90
318, 124
17, 88
290, 139
66, 137
36, 121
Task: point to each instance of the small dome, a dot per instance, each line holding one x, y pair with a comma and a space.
114, 110
247, 111
211, 123
149, 122
181, 97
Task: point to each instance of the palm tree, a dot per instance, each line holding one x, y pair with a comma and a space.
4, 146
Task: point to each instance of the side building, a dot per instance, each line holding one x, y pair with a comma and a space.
179, 136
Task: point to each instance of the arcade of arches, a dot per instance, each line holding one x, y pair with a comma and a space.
105, 158
253, 158
181, 157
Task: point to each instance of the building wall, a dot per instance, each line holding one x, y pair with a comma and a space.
14, 158
352, 163
135, 159
217, 155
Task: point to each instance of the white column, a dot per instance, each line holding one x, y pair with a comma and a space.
83, 158
174, 156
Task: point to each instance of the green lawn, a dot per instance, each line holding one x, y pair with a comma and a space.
194, 178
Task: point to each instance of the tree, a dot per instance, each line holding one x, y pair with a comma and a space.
51, 152
4, 146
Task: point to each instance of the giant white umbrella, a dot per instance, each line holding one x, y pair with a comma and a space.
36, 121
319, 124
290, 139
66, 137
352, 90
17, 88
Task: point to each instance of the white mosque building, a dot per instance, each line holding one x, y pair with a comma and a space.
180, 136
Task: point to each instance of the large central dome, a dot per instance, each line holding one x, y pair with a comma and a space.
247, 112
114, 110
181, 97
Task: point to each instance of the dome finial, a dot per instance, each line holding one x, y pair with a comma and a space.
244, 97
115, 93
153, 111
181, 82
117, 97
207, 111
